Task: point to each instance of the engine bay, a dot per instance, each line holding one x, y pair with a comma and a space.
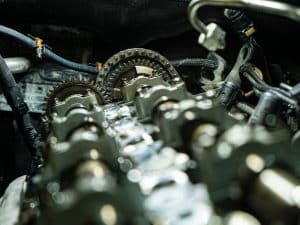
196, 122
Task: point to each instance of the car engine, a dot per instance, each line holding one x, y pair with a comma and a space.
162, 129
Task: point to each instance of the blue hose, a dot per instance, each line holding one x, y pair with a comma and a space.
31, 43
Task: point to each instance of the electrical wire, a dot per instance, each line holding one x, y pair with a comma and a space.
45, 51
195, 62
16, 101
250, 73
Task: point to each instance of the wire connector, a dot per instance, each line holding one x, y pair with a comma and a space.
240, 21
39, 47
99, 66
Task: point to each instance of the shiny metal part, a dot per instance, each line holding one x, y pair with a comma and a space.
159, 172
62, 126
64, 154
129, 91
76, 101
150, 97
174, 156
212, 36
18, 64
186, 116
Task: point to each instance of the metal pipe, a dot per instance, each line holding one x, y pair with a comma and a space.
17, 64
266, 6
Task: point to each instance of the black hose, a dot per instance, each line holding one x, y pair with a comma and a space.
31, 43
6, 78
249, 71
16, 101
195, 62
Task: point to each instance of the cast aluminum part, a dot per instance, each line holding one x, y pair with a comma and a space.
173, 122
160, 172
73, 120
115, 135
75, 101
67, 153
129, 91
148, 98
87, 155
68, 141
157, 169
212, 36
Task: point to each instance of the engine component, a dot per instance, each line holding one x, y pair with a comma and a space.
266, 110
18, 64
212, 36
218, 72
272, 101
39, 82
61, 95
284, 198
16, 101
124, 67
71, 106
231, 153
187, 116
44, 50
148, 99
145, 144
241, 23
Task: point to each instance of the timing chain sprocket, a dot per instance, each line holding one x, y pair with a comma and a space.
69, 88
129, 64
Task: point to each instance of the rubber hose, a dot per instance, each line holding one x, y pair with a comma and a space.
6, 78
15, 99
29, 42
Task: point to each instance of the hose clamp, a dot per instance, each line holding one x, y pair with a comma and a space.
39, 47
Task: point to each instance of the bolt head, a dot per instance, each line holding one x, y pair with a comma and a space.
214, 39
